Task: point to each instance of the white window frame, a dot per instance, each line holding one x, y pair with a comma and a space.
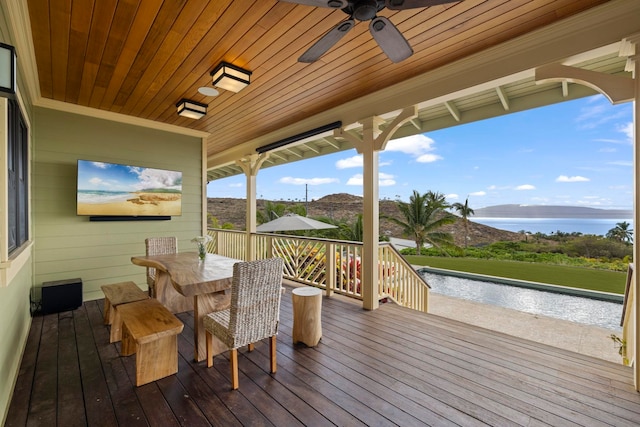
11, 264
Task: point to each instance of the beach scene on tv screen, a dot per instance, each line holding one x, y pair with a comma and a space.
115, 189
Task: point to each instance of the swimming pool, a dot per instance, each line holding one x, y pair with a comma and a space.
584, 310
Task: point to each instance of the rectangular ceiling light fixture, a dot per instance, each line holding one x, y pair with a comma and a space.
191, 109
7, 69
229, 77
299, 137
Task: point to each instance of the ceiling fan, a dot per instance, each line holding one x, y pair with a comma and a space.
387, 35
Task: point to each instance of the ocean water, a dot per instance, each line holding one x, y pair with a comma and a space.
99, 197
599, 227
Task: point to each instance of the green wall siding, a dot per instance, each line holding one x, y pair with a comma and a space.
15, 318
69, 246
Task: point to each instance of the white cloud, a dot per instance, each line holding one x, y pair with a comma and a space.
428, 158
351, 162
414, 145
621, 163
97, 181
384, 180
356, 179
607, 150
478, 193
100, 165
495, 187
156, 178
236, 185
452, 196
309, 181
597, 114
577, 178
525, 187
627, 129
417, 146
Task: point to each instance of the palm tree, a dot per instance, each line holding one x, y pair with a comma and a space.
423, 215
465, 212
352, 231
621, 232
436, 200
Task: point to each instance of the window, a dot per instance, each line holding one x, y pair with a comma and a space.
17, 178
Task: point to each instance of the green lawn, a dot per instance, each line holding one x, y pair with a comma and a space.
576, 277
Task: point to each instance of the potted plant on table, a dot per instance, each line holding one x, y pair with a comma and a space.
201, 242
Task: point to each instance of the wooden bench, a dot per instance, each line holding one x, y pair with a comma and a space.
150, 331
115, 295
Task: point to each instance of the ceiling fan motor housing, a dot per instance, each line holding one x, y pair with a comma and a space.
364, 10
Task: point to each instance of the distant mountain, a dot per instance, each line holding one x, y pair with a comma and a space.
542, 211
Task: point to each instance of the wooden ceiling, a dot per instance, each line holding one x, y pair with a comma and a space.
139, 58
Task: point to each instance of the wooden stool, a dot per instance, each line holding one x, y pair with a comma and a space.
307, 310
115, 295
150, 331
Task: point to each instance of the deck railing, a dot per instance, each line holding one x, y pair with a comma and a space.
332, 265
628, 350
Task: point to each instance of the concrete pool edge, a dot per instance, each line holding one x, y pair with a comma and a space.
604, 296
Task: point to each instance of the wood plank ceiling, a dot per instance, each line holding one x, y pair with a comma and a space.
141, 57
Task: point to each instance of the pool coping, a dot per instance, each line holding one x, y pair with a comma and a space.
604, 296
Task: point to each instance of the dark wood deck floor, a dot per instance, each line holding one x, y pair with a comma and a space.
391, 366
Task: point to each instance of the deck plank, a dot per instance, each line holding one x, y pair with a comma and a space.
125, 402
43, 411
391, 366
19, 407
69, 379
97, 399
490, 373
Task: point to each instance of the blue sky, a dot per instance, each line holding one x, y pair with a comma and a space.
115, 177
577, 153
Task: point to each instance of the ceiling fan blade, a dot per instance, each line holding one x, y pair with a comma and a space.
390, 39
327, 41
414, 4
333, 4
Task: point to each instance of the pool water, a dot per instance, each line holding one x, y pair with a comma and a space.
584, 310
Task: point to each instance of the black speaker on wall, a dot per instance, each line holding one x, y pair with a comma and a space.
61, 295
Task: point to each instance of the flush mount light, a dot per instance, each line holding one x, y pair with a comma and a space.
191, 109
7, 69
208, 91
229, 77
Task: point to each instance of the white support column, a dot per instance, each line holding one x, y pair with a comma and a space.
635, 62
373, 140
250, 166
370, 217
617, 89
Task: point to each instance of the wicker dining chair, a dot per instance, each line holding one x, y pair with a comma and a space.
158, 246
253, 314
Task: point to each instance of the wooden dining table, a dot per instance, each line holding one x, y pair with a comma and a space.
184, 283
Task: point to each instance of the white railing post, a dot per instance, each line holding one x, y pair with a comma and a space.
335, 265
330, 267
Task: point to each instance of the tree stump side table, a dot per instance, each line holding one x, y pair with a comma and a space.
307, 311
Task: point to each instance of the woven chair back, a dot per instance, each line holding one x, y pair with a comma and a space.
159, 246
255, 300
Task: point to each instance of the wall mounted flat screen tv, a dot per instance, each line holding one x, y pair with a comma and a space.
113, 190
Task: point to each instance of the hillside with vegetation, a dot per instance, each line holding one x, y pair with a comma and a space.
346, 207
